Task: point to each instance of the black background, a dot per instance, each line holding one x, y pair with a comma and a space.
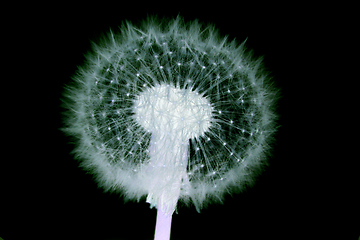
46, 195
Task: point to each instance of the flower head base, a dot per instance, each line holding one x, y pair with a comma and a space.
168, 110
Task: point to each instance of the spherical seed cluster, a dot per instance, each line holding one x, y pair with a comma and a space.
124, 110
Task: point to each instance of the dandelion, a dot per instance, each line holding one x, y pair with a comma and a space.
173, 112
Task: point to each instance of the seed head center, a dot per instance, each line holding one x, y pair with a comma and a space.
164, 109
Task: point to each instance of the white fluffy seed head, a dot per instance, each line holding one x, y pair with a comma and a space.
211, 100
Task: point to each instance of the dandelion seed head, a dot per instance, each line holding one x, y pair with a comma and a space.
171, 106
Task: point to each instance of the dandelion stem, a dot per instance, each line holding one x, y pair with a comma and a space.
163, 225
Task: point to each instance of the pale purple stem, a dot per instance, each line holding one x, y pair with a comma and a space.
163, 225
